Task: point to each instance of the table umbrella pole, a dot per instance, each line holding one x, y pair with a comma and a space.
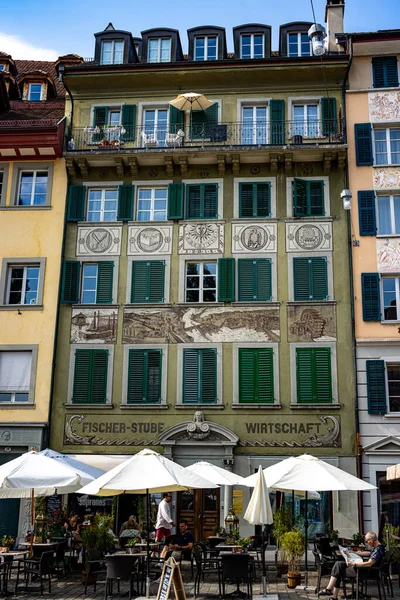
147, 545
306, 534
33, 521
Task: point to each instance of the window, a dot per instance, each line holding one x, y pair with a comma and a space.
102, 204
254, 280
90, 376
199, 376
252, 45
2, 67
254, 124
385, 71
205, 47
201, 282
313, 375
159, 50
148, 281
156, 124
256, 379
310, 278
35, 92
388, 210
308, 198
202, 201
112, 52
391, 298
305, 120
23, 284
254, 200
15, 376
387, 146
144, 376
152, 204
107, 115
393, 386
97, 283
32, 188
299, 44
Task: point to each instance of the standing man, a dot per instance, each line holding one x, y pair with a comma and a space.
164, 521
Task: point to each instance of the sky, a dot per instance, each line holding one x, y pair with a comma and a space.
46, 29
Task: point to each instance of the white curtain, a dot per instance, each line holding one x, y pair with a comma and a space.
15, 371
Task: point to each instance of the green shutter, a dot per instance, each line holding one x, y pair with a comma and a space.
76, 203
144, 376
246, 200
147, 281
310, 278
126, 195
90, 377
176, 119
254, 280
254, 200
376, 387
300, 198
363, 141
208, 375
99, 376
104, 282
371, 302
201, 120
129, 122
329, 119
200, 376
202, 201
82, 372
210, 200
191, 372
256, 383
385, 71
277, 116
100, 118
313, 375
70, 282
308, 198
367, 212
226, 280
319, 278
175, 201
301, 279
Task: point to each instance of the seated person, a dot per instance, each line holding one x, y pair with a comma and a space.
179, 545
131, 523
347, 569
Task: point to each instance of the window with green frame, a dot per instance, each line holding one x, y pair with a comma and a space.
308, 198
147, 281
202, 201
313, 375
254, 280
310, 278
254, 200
144, 376
199, 376
90, 377
256, 376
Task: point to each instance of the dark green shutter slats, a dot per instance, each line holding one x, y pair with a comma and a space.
254, 200
308, 198
129, 122
70, 282
144, 377
100, 118
105, 271
226, 280
371, 302
313, 375
277, 115
126, 195
363, 141
300, 198
191, 371
176, 119
76, 203
147, 281
256, 383
208, 378
367, 212
316, 198
385, 71
193, 201
329, 119
202, 201
202, 121
254, 280
310, 279
376, 387
175, 201
90, 377
200, 376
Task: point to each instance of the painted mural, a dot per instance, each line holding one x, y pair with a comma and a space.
309, 237
94, 326
254, 237
388, 255
316, 323
384, 106
184, 325
201, 238
387, 178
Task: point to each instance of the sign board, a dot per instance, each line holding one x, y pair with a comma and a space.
237, 501
171, 574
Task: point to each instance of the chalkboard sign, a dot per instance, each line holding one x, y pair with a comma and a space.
171, 574
53, 503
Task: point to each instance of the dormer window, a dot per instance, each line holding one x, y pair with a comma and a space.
2, 67
205, 47
35, 92
252, 45
299, 44
159, 50
112, 52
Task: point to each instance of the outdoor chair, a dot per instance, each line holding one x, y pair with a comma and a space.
385, 571
4, 576
120, 568
323, 566
59, 564
35, 570
236, 567
204, 566
174, 139
371, 574
149, 139
259, 561
95, 566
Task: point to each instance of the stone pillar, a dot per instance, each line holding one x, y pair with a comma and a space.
228, 465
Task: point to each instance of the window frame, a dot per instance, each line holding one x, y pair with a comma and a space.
142, 108
71, 374
179, 388
139, 187
113, 42
8, 263
235, 370
387, 144
289, 198
30, 85
164, 376
334, 377
299, 53
4, 169
391, 195
255, 103
33, 348
252, 35
206, 37
159, 40
236, 196
97, 259
201, 276
272, 257
385, 57
317, 128
396, 278
167, 275
220, 199
389, 361
90, 188
23, 290
16, 177
329, 270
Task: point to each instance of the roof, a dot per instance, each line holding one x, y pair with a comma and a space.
28, 67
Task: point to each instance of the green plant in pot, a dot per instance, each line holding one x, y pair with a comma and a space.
132, 545
98, 538
293, 544
282, 524
358, 539
244, 542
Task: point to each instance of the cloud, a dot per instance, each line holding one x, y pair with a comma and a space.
23, 50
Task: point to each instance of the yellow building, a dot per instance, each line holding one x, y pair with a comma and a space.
373, 124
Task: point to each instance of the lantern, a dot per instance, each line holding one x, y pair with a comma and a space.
231, 522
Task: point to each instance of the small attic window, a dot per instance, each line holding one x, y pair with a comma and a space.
2, 67
35, 92
112, 52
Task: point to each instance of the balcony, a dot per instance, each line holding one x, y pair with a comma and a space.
145, 139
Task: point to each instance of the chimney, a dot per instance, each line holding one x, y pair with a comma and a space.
334, 13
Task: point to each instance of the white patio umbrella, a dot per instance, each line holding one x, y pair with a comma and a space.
191, 101
393, 472
145, 472
86, 472
215, 474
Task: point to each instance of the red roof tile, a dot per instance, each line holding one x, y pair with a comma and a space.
26, 67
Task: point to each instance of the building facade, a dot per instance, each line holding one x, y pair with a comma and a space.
205, 303
373, 122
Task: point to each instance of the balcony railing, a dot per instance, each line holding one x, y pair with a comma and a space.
293, 133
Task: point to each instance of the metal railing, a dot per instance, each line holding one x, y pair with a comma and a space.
293, 133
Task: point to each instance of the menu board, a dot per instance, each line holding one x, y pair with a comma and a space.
171, 574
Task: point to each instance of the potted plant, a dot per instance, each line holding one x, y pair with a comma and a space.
143, 536
7, 541
243, 543
293, 544
132, 545
49, 535
282, 524
358, 540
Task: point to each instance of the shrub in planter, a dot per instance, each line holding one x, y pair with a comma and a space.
293, 544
